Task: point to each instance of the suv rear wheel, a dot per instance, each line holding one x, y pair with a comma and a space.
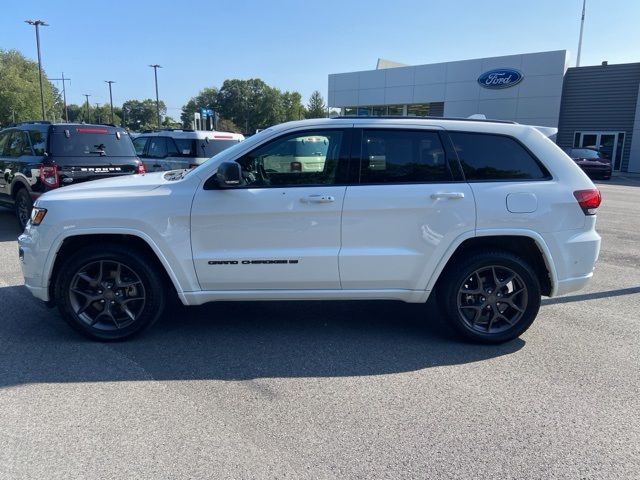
108, 293
23, 205
490, 297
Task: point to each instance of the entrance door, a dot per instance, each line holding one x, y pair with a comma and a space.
608, 143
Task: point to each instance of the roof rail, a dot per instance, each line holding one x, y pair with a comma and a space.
32, 122
447, 119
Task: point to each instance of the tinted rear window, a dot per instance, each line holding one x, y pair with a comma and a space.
214, 147
401, 156
495, 157
85, 142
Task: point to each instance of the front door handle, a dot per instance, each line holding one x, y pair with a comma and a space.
318, 199
449, 195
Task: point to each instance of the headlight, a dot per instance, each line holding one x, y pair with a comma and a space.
37, 215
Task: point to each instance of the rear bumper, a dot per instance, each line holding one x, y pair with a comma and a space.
574, 255
574, 284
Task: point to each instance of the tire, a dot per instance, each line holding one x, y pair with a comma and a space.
109, 292
23, 206
490, 297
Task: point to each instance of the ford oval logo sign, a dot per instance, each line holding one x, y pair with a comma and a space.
500, 78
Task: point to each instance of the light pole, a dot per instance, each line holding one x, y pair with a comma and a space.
87, 97
64, 95
37, 24
584, 6
110, 97
155, 72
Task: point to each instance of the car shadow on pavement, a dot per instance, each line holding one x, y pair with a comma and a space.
9, 230
235, 341
591, 296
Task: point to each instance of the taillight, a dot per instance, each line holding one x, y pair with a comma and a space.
49, 175
589, 200
141, 168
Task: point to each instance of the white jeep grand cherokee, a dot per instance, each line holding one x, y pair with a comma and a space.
487, 215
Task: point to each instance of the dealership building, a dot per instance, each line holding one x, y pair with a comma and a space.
592, 106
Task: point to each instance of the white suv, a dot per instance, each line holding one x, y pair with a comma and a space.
487, 215
172, 149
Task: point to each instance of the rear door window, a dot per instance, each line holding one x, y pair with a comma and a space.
403, 156
87, 141
38, 141
488, 157
18, 145
172, 149
139, 144
157, 147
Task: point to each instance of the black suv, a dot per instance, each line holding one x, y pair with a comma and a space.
39, 156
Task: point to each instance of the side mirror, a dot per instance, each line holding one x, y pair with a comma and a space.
229, 175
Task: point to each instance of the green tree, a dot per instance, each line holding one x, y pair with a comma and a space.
207, 98
20, 90
141, 115
292, 105
316, 107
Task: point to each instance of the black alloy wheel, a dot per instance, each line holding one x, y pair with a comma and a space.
110, 292
490, 297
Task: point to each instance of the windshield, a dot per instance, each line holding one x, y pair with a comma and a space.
86, 142
586, 153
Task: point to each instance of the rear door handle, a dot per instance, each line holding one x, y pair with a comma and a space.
449, 195
318, 199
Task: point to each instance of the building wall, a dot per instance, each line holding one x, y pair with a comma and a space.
535, 100
600, 98
634, 149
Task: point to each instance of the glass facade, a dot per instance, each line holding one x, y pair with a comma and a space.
435, 109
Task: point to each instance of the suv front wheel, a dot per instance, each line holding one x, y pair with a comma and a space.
490, 297
108, 293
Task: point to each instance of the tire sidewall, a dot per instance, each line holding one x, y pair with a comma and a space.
23, 197
142, 266
463, 269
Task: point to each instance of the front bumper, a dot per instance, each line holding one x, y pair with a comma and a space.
32, 261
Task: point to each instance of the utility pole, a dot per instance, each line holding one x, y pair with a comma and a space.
37, 24
155, 72
98, 111
64, 95
110, 97
87, 97
584, 5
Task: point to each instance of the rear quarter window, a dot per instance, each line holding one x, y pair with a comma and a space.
488, 157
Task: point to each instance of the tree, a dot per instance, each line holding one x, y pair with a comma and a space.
316, 107
292, 105
207, 98
141, 115
20, 90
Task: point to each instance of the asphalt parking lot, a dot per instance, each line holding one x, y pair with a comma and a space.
331, 390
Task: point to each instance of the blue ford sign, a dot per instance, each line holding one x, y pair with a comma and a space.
500, 78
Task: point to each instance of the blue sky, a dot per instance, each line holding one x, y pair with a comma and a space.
294, 45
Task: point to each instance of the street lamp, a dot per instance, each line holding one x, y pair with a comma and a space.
155, 72
37, 24
110, 97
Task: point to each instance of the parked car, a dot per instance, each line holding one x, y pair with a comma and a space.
36, 157
488, 216
593, 162
172, 149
